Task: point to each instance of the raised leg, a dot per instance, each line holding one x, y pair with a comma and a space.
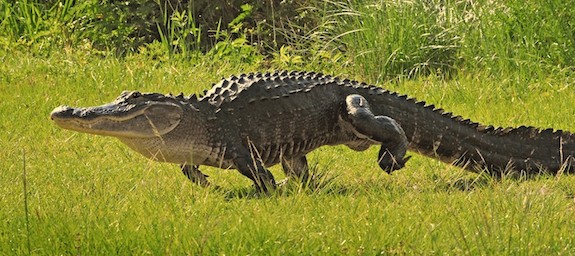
253, 169
296, 167
195, 175
381, 129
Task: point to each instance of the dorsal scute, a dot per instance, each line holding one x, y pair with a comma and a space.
252, 87
525, 131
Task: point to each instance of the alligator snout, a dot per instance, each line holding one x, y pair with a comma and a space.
61, 112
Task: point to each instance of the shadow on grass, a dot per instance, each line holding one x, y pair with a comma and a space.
470, 182
320, 182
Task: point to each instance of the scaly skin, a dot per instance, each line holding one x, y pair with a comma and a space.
253, 121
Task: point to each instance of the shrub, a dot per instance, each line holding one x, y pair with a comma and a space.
124, 26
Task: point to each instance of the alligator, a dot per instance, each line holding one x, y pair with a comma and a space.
252, 121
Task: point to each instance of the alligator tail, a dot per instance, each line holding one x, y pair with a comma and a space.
473, 146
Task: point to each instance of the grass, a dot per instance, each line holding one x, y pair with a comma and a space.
404, 39
92, 195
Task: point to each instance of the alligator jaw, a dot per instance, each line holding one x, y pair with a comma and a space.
120, 120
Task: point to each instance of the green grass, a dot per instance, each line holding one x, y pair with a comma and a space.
398, 39
92, 195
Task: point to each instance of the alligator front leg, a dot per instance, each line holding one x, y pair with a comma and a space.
253, 169
296, 167
381, 129
195, 175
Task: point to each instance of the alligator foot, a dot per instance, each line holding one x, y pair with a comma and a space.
195, 175
296, 168
263, 179
388, 162
381, 129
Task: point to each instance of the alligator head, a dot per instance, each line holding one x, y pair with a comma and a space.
132, 115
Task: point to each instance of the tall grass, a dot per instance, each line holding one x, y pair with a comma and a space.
46, 26
403, 39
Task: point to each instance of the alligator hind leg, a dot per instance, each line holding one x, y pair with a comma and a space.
253, 169
296, 167
195, 175
381, 129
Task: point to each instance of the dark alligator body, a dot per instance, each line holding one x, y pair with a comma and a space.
256, 120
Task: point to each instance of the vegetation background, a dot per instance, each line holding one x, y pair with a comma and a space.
505, 63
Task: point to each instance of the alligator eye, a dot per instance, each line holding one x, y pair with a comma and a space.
136, 95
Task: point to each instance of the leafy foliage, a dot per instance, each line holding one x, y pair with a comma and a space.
125, 26
43, 25
391, 39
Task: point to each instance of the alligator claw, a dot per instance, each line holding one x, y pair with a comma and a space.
391, 164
